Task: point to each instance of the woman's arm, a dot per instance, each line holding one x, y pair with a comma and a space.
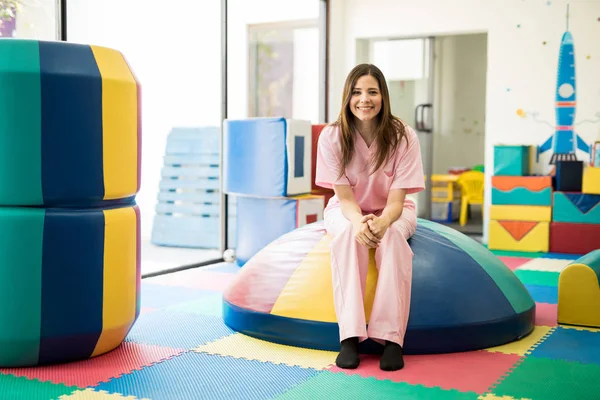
353, 213
394, 206
348, 203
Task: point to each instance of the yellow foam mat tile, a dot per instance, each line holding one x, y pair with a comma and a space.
545, 264
521, 347
580, 328
490, 396
249, 348
91, 394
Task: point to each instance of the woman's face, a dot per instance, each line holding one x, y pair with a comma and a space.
365, 102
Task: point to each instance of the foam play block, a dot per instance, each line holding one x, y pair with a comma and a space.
70, 125
573, 238
521, 213
579, 292
531, 236
522, 190
512, 160
576, 208
261, 221
315, 132
267, 157
569, 176
591, 180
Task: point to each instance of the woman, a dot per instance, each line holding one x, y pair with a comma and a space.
371, 160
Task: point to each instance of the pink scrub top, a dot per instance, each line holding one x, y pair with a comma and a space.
404, 170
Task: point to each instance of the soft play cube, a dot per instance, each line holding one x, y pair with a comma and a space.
520, 213
576, 208
267, 157
569, 176
579, 292
260, 221
591, 180
512, 160
529, 236
574, 238
522, 190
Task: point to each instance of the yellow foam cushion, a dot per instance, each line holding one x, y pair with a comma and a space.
578, 296
521, 213
536, 240
313, 279
591, 180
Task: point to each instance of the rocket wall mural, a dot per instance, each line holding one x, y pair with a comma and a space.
565, 141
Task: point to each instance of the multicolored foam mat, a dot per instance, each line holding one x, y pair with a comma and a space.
181, 349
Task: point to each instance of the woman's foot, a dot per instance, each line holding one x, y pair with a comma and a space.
391, 359
348, 357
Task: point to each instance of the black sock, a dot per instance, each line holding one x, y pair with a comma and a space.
348, 357
391, 359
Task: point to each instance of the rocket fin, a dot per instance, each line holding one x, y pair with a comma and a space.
582, 145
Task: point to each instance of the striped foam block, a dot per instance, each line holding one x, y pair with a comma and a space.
70, 130
69, 282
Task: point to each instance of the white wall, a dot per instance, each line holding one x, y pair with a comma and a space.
459, 101
521, 68
175, 51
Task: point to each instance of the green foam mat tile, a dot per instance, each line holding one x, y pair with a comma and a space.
19, 388
330, 386
541, 378
532, 277
506, 253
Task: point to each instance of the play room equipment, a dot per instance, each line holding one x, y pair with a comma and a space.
463, 297
69, 173
529, 213
317, 190
591, 180
579, 292
471, 187
268, 168
445, 198
188, 212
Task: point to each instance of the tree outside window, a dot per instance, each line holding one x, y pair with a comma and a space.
8, 15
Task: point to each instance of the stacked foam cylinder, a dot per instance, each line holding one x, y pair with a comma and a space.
70, 140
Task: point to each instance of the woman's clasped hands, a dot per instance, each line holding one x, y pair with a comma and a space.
369, 230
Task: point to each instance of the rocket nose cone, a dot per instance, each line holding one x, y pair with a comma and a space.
567, 37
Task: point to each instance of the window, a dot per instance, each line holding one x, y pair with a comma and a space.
28, 19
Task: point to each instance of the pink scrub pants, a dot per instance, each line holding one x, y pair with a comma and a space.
349, 264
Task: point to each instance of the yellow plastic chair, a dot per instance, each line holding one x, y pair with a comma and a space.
471, 185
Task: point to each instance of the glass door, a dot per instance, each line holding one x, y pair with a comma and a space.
408, 67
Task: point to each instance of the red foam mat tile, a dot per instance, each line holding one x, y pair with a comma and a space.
473, 371
546, 314
124, 359
513, 262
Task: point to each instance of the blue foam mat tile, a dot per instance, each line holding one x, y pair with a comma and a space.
562, 256
176, 329
543, 294
210, 304
570, 345
199, 376
159, 296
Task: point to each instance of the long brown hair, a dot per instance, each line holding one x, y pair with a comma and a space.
389, 131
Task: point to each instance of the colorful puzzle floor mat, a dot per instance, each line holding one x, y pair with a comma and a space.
181, 349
